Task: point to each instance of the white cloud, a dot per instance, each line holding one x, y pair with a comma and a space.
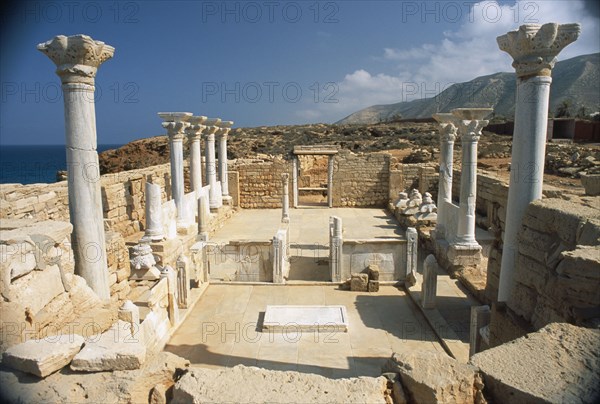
461, 55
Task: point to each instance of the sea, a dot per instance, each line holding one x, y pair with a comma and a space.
26, 164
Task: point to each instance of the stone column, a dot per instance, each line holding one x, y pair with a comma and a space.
470, 123
224, 128
335, 248
203, 217
194, 132
534, 49
412, 244
447, 137
330, 182
77, 59
154, 224
285, 198
211, 168
295, 181
176, 123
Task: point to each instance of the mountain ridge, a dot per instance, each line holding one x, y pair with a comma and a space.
576, 80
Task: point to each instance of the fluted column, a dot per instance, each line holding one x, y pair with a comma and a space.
534, 49
225, 127
77, 59
176, 123
447, 137
470, 123
211, 168
194, 132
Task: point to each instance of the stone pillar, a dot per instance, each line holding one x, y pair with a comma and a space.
173, 307
183, 281
534, 49
429, 289
176, 123
480, 317
280, 265
447, 137
224, 128
335, 248
470, 123
330, 181
154, 224
295, 181
285, 198
194, 132
412, 244
203, 217
77, 59
211, 168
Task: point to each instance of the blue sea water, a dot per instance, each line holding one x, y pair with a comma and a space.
35, 164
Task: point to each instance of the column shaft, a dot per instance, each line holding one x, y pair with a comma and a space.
195, 164
211, 169
223, 165
445, 181
330, 182
177, 183
468, 191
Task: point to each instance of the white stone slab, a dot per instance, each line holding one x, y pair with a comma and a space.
308, 318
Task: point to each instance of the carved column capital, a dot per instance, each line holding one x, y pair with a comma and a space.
224, 128
76, 57
534, 47
175, 123
448, 126
470, 122
195, 128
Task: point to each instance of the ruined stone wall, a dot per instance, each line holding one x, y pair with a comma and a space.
404, 177
260, 182
361, 180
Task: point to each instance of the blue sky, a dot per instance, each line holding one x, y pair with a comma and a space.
257, 62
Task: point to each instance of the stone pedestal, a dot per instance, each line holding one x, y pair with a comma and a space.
429, 288
194, 132
447, 137
77, 59
154, 223
285, 198
224, 128
534, 49
176, 123
211, 168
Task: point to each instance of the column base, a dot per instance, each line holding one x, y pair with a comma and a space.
464, 254
227, 200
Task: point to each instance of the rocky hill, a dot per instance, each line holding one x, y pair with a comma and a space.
575, 80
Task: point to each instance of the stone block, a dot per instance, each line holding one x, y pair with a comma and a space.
373, 286
434, 377
557, 364
44, 356
116, 349
359, 282
37, 288
374, 272
591, 184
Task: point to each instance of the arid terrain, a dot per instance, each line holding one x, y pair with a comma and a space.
408, 141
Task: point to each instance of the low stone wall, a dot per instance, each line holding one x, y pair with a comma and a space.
404, 177
361, 180
388, 254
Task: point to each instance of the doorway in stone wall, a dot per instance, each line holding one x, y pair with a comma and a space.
312, 176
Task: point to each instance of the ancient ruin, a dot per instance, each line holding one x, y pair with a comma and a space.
202, 279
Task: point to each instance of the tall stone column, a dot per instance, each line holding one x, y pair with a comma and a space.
225, 127
194, 132
470, 123
295, 181
447, 137
285, 200
77, 59
211, 167
330, 181
534, 49
176, 123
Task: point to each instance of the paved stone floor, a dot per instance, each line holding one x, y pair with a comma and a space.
223, 330
309, 225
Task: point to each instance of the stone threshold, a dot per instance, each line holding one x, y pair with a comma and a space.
446, 336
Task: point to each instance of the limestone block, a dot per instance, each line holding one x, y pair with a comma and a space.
591, 184
373, 272
115, 349
359, 282
36, 289
557, 364
373, 286
44, 356
434, 377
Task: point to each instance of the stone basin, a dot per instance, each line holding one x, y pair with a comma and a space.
471, 113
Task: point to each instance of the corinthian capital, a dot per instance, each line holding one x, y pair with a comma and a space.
534, 47
224, 128
448, 128
175, 123
194, 130
470, 122
76, 57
